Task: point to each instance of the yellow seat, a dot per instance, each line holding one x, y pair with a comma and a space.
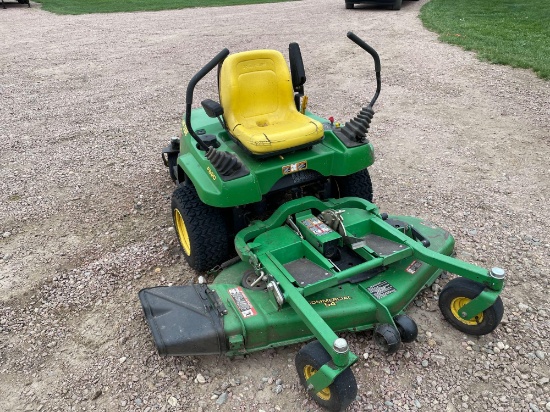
258, 102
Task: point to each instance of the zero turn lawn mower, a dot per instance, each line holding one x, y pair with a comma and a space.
315, 257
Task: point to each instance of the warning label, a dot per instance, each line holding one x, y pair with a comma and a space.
413, 267
242, 302
294, 167
381, 289
316, 226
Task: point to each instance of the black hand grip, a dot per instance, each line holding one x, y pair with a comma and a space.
203, 72
419, 236
354, 38
191, 87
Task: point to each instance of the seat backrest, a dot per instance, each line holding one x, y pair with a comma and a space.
255, 86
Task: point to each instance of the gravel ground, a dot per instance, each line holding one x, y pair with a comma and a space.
89, 101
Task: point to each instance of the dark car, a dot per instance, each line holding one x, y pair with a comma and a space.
392, 4
19, 1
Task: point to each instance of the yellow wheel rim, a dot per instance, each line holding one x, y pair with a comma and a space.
457, 304
183, 236
309, 371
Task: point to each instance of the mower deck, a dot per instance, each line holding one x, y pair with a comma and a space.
312, 270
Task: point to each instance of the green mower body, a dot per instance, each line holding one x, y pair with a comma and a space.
333, 156
228, 175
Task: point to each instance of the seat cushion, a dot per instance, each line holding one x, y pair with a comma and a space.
267, 135
258, 101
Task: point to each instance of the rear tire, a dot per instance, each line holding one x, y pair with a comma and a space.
349, 5
340, 393
397, 5
201, 229
355, 185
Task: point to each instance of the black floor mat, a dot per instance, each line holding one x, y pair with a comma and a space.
306, 272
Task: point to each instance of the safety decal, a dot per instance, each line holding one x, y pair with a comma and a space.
413, 267
330, 301
381, 289
242, 302
294, 167
316, 226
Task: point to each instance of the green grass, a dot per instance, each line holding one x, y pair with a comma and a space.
114, 6
512, 32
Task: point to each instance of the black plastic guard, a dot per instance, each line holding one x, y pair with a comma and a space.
184, 320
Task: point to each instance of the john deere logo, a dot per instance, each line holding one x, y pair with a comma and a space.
294, 167
330, 301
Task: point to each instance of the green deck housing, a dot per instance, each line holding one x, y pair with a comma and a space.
382, 269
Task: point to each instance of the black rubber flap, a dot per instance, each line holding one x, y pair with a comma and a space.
183, 320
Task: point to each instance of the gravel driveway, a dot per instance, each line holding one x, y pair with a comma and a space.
89, 101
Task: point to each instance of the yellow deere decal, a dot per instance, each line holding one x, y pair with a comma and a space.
184, 130
294, 167
330, 301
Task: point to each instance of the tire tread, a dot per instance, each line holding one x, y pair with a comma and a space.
205, 226
462, 287
358, 184
343, 389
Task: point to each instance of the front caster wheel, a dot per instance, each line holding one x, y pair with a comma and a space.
407, 328
457, 293
200, 228
387, 338
340, 393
